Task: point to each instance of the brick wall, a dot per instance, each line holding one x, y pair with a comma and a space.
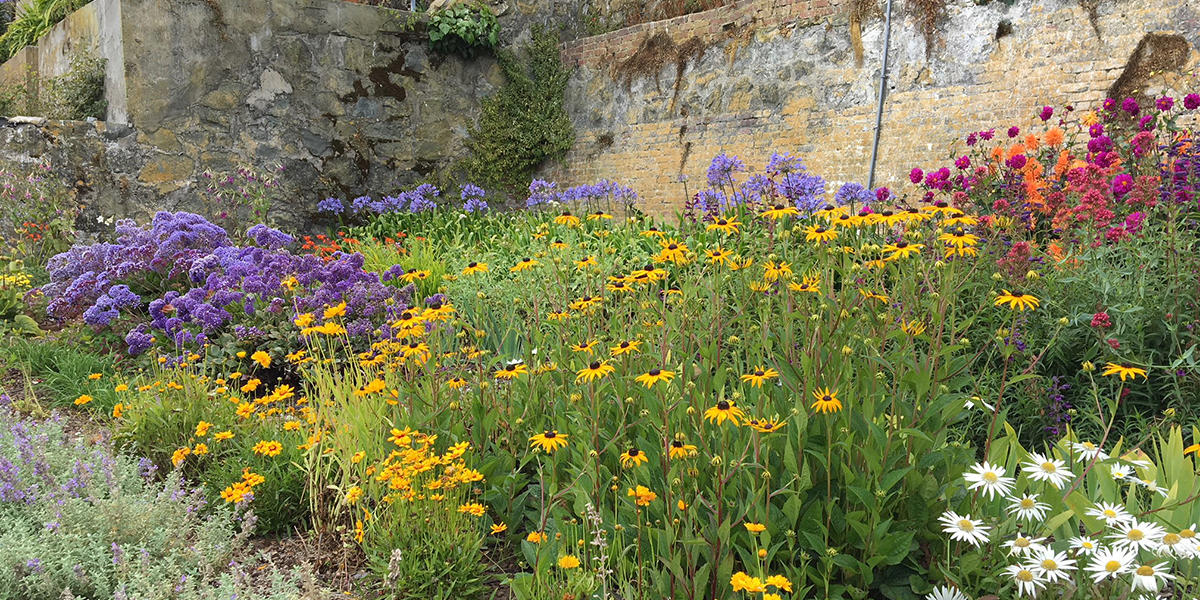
782, 75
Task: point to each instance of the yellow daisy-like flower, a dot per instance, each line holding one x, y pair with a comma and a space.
759, 375
901, 250
180, 455
718, 256
653, 232
416, 275
755, 527
498, 528
819, 234
594, 371
780, 582
679, 449
267, 448
775, 272
912, 328
457, 383
536, 537
653, 376
95, 376
222, 436
672, 250
586, 302
599, 215
827, 401
524, 265
1017, 300
585, 346
626, 347
512, 371
549, 441
590, 261
811, 284
262, 358
202, 428
334, 311
742, 582
766, 425
475, 267
780, 211
568, 562
567, 219
83, 399
354, 494
472, 508
724, 225
722, 411
642, 496
1123, 371
633, 458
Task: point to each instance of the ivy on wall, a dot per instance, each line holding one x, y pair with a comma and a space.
524, 123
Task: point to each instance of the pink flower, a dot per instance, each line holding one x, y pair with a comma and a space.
1113, 343
1101, 320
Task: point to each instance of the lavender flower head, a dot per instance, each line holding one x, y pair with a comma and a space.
722, 168
853, 193
331, 205
472, 196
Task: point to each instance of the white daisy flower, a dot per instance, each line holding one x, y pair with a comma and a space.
1110, 513
1110, 563
1147, 576
1052, 566
990, 478
946, 592
963, 528
1174, 544
1022, 545
1153, 486
1084, 546
970, 405
1137, 535
1028, 508
1087, 452
1028, 582
1045, 468
1120, 471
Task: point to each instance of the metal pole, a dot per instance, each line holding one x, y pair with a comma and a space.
887, 38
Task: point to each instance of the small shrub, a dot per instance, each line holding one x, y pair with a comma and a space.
464, 30
77, 94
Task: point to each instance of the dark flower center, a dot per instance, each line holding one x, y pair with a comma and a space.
672, 247
722, 405
826, 398
655, 372
821, 230
941, 204
778, 207
435, 306
526, 259
510, 368
901, 244
594, 366
887, 213
566, 213
558, 241
624, 344
722, 222
759, 373
913, 211
633, 452
550, 435
676, 444
406, 315
472, 265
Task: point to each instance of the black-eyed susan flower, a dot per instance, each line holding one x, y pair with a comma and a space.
593, 371
761, 287
414, 276
1123, 371
912, 328
524, 265
722, 411
718, 256
590, 261
826, 401
567, 219
456, 383
653, 232
584, 346
633, 457
586, 302
678, 449
475, 267
512, 371
619, 286
625, 347
724, 225
558, 315
672, 250
773, 271
766, 425
1017, 300
653, 376
914, 215
869, 295
901, 250
558, 245
548, 441
809, 285
819, 234
599, 216
779, 211
759, 375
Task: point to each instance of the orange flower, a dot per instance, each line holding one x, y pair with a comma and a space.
1031, 142
1054, 137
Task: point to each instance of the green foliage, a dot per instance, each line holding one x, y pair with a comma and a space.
61, 370
27, 28
464, 30
77, 94
525, 122
14, 283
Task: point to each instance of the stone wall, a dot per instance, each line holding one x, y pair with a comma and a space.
346, 97
657, 101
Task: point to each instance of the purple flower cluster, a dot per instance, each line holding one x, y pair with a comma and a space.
473, 201
541, 192
546, 192
853, 193
419, 199
202, 284
722, 168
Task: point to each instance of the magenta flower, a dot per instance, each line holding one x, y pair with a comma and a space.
1191, 101
1047, 112
1017, 161
1014, 131
1130, 106
916, 175
1165, 104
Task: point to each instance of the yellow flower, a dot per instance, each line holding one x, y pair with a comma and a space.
262, 358
535, 537
654, 376
724, 225
584, 347
525, 264
84, 399
595, 370
1017, 300
633, 458
512, 371
335, 311
472, 508
121, 388
816, 233
759, 375
118, 410
901, 250
679, 449
642, 496
755, 527
358, 457
200, 449
268, 448
568, 562
742, 582
548, 441
780, 582
780, 211
202, 428
359, 533
499, 528
178, 457
475, 267
95, 376
1123, 371
722, 411
627, 347
827, 401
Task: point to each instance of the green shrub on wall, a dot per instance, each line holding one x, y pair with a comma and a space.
464, 30
78, 93
524, 123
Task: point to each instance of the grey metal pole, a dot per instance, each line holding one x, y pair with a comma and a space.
887, 39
